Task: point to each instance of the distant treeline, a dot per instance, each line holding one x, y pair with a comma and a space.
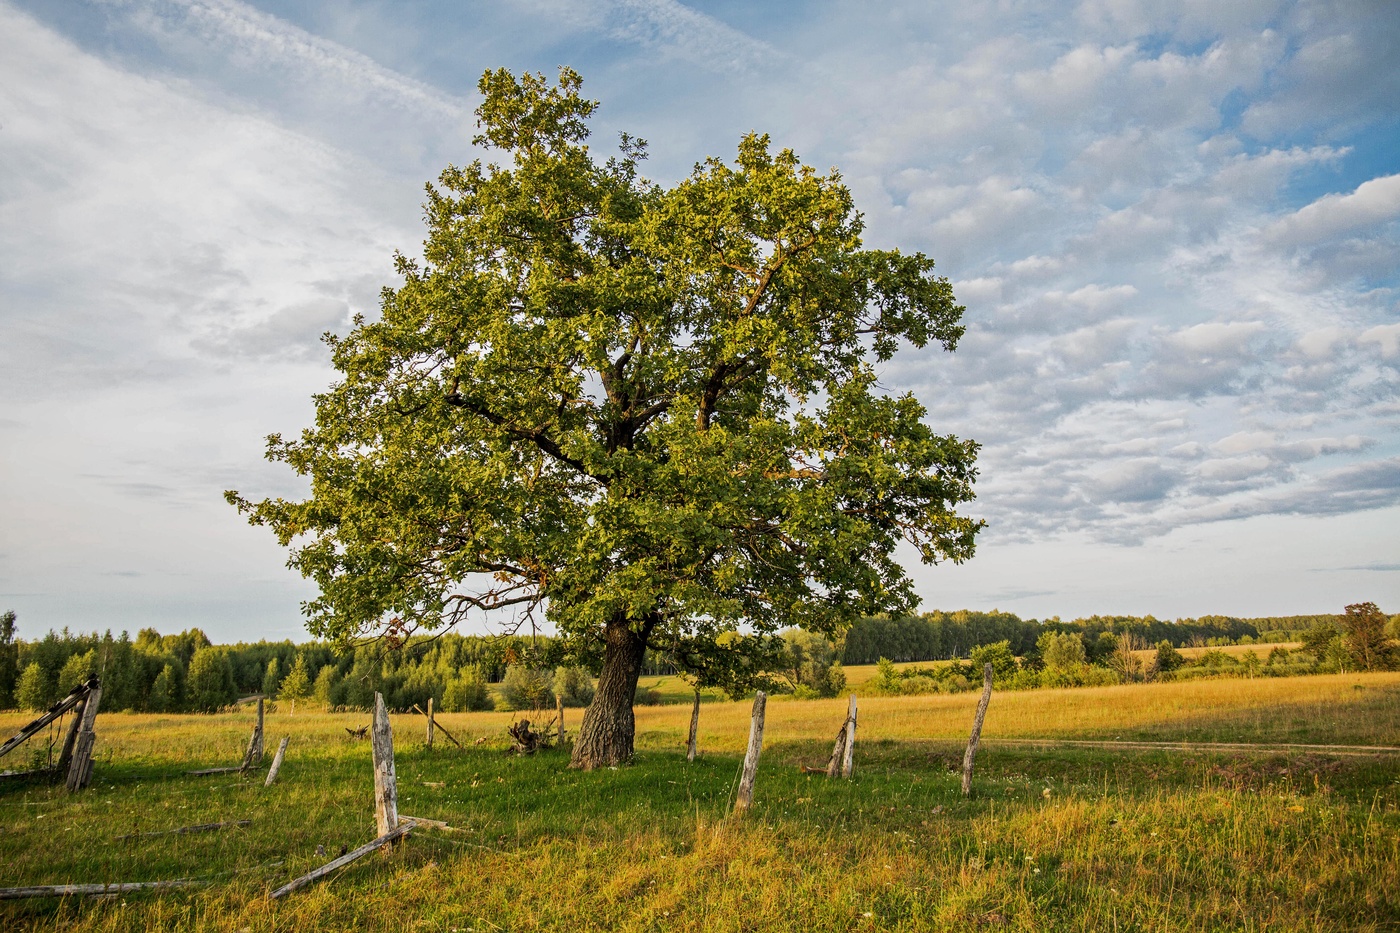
937, 636
185, 672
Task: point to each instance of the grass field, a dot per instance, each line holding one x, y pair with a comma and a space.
1057, 836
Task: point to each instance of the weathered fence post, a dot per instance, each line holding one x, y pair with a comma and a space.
386, 791
849, 752
277, 761
66, 756
760, 705
430, 722
80, 769
693, 741
254, 756
976, 729
559, 700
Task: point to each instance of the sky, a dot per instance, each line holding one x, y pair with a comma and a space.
1175, 227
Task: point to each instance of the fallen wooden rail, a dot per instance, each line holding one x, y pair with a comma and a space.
439, 726
89, 890
403, 830
196, 828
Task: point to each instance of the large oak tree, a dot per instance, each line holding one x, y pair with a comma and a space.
650, 413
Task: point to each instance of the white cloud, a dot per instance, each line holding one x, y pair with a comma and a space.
1373, 202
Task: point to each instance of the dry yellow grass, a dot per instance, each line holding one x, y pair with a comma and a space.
1358, 709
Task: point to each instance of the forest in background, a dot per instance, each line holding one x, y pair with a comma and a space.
186, 672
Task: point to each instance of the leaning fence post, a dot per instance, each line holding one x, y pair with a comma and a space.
254, 756
65, 758
559, 700
977, 729
386, 791
430, 722
80, 769
277, 761
692, 743
849, 752
760, 705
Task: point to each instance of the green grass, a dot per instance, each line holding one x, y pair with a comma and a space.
1053, 839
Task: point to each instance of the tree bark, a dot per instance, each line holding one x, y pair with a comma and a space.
690, 745
606, 736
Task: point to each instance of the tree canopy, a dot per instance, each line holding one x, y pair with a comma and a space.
650, 413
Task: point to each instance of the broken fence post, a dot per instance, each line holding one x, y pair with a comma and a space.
80, 768
848, 754
69, 741
760, 705
254, 755
559, 700
430, 722
277, 761
386, 791
976, 729
692, 743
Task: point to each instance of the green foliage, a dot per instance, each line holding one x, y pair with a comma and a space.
77, 670
297, 684
9, 659
165, 691
527, 688
33, 690
943, 635
1317, 639
811, 664
1062, 651
209, 685
647, 408
272, 678
467, 693
999, 656
575, 685
323, 690
887, 678
1364, 629
1168, 659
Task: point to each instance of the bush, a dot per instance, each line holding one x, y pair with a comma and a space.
527, 688
575, 685
646, 696
999, 656
466, 694
1061, 651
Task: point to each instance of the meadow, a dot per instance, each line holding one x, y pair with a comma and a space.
1173, 806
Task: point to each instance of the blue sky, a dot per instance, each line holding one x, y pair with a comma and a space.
1174, 226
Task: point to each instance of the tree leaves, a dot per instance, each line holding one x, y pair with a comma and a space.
613, 401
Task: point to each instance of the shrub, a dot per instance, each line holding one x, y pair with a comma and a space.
646, 696
1061, 651
575, 685
527, 688
468, 693
999, 656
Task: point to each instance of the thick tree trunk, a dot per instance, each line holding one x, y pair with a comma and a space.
608, 729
